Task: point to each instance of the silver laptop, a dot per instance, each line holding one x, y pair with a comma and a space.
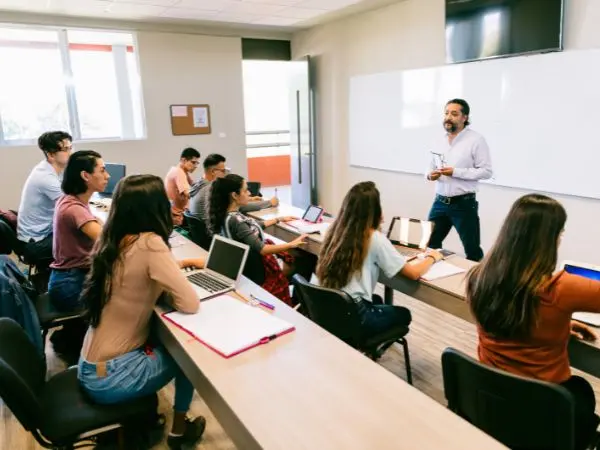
224, 265
412, 234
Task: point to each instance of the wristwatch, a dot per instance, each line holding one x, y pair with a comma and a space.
277, 220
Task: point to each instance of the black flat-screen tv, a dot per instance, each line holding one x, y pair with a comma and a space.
481, 29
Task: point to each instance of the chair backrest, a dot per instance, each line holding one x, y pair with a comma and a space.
8, 238
254, 269
331, 309
254, 187
199, 232
22, 374
519, 412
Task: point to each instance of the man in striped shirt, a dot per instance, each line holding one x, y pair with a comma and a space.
214, 167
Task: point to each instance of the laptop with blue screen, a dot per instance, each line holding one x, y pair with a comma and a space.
588, 271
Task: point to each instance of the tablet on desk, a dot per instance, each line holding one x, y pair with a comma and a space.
587, 271
310, 222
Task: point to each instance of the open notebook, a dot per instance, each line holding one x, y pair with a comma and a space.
229, 326
442, 269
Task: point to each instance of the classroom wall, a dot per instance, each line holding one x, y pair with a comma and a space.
407, 35
175, 68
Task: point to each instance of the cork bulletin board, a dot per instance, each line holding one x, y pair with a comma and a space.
190, 119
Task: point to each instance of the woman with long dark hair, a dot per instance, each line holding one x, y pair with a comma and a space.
226, 197
131, 269
355, 250
523, 309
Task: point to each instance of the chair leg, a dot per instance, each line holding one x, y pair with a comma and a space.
407, 361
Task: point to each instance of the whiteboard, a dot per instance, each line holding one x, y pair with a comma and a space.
540, 115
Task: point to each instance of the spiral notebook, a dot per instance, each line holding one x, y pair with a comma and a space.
230, 326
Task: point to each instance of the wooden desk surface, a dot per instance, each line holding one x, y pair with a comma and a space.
447, 294
310, 390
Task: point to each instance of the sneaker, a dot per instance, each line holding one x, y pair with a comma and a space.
193, 433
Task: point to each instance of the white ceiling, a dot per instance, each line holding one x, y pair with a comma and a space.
288, 14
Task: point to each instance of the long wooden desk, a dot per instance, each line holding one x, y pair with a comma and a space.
447, 294
308, 389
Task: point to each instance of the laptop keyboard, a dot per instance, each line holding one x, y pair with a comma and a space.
408, 252
207, 282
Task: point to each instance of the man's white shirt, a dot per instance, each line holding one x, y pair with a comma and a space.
469, 155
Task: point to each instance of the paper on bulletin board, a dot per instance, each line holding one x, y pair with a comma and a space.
179, 111
200, 117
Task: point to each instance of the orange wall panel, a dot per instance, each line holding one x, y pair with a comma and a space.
270, 170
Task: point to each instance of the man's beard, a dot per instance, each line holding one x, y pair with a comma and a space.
452, 128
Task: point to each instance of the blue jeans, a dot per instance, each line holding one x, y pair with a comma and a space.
133, 375
64, 288
462, 213
377, 318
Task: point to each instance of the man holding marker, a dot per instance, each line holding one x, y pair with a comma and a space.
459, 161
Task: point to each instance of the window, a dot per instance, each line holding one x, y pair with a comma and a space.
83, 81
267, 107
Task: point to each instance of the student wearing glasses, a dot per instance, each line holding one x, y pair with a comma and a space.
40, 193
214, 167
178, 182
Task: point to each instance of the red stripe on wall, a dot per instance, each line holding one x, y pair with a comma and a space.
270, 170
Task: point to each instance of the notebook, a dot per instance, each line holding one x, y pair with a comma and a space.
229, 326
442, 269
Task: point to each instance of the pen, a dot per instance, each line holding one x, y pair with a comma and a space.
262, 302
275, 192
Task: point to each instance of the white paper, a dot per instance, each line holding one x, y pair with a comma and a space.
309, 228
177, 240
442, 269
229, 325
588, 317
200, 117
179, 111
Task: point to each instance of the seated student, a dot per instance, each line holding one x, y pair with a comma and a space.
39, 195
523, 309
228, 194
355, 250
76, 229
178, 181
131, 269
214, 167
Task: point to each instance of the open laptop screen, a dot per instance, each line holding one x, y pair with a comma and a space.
582, 271
226, 258
116, 172
410, 232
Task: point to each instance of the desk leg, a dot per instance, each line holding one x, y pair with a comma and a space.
388, 295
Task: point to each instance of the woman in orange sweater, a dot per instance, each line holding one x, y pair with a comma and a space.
523, 309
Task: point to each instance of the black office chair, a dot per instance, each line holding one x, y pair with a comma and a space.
254, 269
521, 413
337, 312
254, 188
10, 243
57, 412
198, 231
50, 317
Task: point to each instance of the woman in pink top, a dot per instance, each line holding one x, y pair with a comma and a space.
131, 269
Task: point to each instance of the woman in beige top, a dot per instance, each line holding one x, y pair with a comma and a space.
132, 267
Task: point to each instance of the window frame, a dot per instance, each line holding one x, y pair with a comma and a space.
124, 90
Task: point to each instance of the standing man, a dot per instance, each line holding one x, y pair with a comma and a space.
462, 158
178, 182
38, 198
